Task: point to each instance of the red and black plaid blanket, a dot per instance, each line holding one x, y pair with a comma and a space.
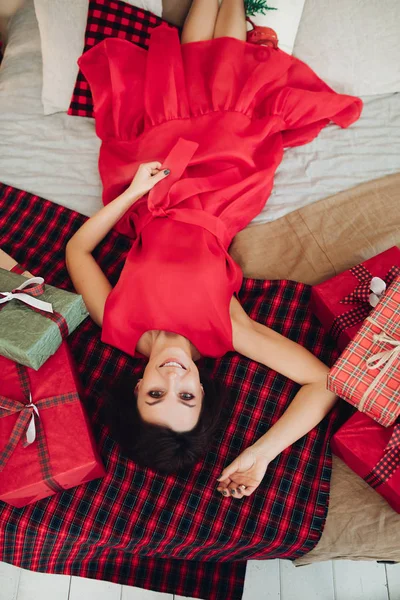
171, 533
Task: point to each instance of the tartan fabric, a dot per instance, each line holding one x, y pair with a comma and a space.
17, 268
360, 294
375, 392
172, 533
110, 18
389, 462
27, 412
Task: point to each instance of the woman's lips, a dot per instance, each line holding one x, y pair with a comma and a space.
173, 360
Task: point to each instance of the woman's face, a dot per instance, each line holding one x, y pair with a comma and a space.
170, 395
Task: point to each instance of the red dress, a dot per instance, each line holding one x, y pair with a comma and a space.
218, 114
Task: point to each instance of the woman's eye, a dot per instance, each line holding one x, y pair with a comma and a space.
155, 394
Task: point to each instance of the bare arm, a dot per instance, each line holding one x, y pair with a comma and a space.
87, 277
310, 405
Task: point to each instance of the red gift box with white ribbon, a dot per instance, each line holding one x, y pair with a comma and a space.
373, 452
343, 302
46, 442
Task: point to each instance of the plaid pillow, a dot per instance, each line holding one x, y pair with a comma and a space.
110, 18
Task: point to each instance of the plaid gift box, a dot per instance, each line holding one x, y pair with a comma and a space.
46, 444
35, 317
367, 374
343, 302
373, 452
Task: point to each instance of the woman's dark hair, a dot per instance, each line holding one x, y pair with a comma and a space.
156, 446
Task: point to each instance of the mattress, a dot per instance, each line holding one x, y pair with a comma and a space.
55, 156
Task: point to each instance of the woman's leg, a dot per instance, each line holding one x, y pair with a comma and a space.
200, 21
231, 20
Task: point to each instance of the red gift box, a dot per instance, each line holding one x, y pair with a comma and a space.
367, 374
64, 453
342, 303
373, 452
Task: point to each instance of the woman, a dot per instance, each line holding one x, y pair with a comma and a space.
201, 125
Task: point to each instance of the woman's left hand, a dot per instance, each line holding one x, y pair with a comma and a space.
244, 474
147, 176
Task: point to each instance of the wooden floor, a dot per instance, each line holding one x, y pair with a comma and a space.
265, 580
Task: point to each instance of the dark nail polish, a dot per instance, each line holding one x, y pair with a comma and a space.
233, 491
167, 171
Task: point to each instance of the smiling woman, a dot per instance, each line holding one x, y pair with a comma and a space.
217, 112
155, 445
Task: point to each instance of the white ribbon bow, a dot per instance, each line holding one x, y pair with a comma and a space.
31, 429
24, 297
378, 288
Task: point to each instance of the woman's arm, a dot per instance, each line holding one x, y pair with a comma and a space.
87, 277
310, 405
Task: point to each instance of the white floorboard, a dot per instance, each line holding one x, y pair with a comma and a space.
262, 580
265, 580
393, 581
359, 580
311, 581
133, 593
9, 580
34, 585
88, 589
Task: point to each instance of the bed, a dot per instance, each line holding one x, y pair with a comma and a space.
343, 172
55, 156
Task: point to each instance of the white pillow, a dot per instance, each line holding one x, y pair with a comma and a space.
285, 21
62, 25
353, 46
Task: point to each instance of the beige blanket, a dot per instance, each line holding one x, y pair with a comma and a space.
310, 245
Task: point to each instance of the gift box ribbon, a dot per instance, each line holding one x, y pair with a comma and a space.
383, 359
17, 268
28, 293
367, 294
29, 422
389, 462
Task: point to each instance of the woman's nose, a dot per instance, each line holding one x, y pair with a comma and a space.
172, 374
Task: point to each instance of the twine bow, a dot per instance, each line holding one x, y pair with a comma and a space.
25, 423
386, 357
27, 292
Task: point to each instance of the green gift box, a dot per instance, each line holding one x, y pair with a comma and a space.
28, 334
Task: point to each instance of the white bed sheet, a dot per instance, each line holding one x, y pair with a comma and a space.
56, 156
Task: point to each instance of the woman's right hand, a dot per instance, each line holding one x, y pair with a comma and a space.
244, 474
147, 176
